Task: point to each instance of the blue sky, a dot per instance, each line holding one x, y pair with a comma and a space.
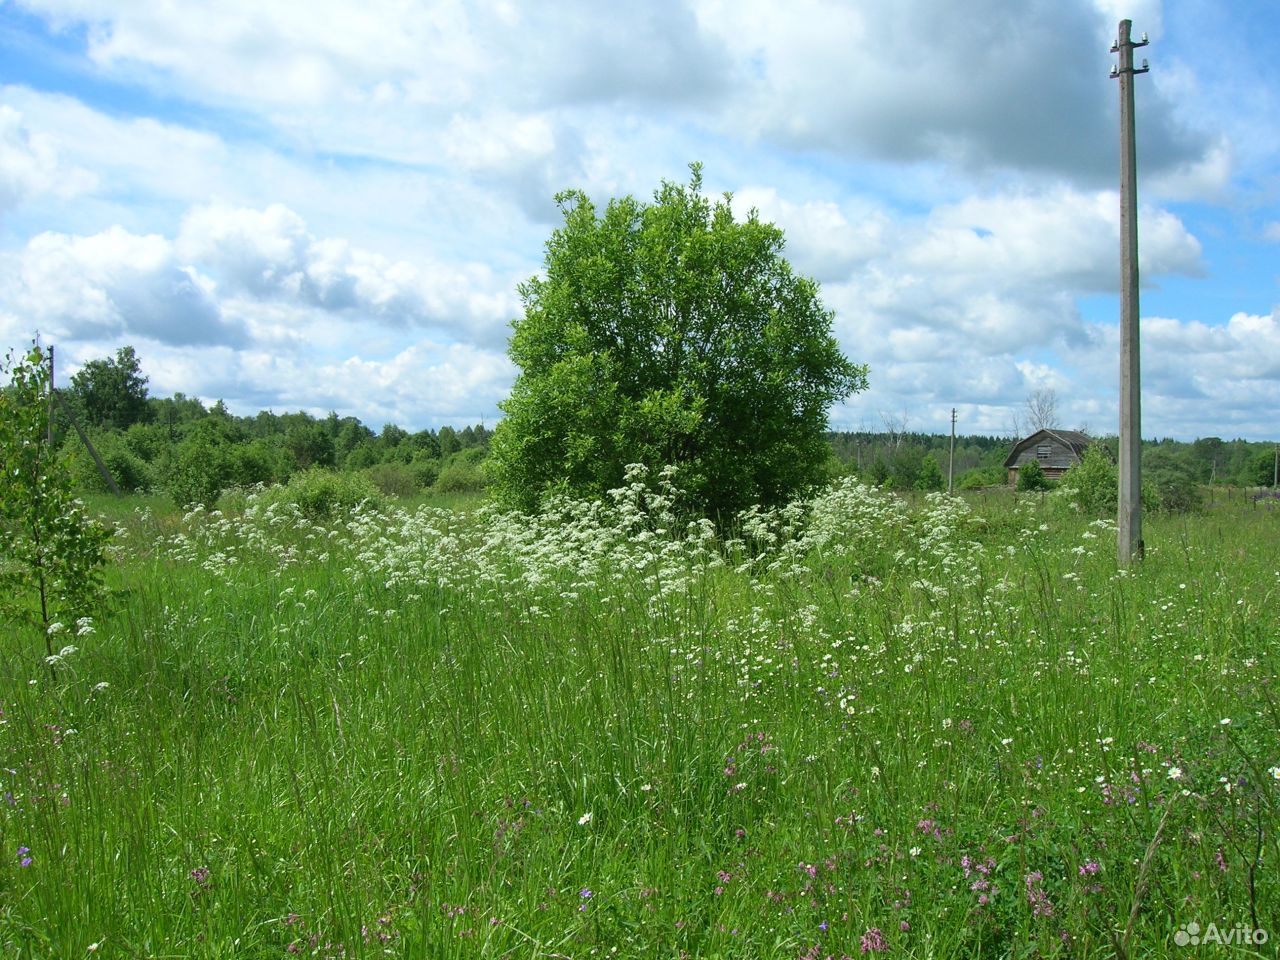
329, 206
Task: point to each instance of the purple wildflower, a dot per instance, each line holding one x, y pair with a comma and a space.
873, 941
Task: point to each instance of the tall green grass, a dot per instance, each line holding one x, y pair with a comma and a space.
862, 725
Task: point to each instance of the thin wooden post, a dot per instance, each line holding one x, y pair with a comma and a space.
951, 460
1129, 545
49, 426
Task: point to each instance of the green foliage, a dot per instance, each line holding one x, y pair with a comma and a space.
555, 693
1091, 485
669, 333
320, 494
111, 392
1262, 468
310, 445
1031, 477
254, 462
51, 553
980, 477
1172, 480
200, 471
930, 476
394, 479
462, 473
126, 468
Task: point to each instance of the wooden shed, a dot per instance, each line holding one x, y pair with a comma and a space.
1057, 450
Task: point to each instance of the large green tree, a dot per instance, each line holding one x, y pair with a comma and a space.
112, 392
669, 333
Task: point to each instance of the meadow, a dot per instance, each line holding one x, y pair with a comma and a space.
865, 725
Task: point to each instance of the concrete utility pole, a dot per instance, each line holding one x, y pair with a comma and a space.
1129, 519
951, 460
49, 426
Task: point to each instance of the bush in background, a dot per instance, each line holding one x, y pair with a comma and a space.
394, 479
130, 472
980, 477
320, 494
1091, 485
1031, 477
462, 473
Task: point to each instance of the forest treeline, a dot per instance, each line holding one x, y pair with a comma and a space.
178, 445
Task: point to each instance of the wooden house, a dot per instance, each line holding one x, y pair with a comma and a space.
1057, 450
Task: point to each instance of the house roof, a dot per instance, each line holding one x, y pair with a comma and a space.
1073, 440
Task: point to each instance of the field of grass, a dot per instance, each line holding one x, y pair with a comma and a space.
867, 727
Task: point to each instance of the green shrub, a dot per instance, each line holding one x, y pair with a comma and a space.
320, 494
463, 472
425, 472
128, 471
199, 472
52, 554
257, 461
930, 476
1171, 481
1031, 477
460, 477
394, 479
1091, 485
980, 477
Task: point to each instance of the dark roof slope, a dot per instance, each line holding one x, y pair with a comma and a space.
1074, 440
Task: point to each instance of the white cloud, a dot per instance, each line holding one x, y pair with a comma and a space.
269, 254
30, 164
998, 84
375, 174
423, 384
113, 283
825, 240
220, 279
329, 55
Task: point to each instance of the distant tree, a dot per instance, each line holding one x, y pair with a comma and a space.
351, 435
425, 445
1170, 473
669, 333
310, 445
1262, 467
175, 411
392, 435
1208, 454
930, 475
113, 392
448, 441
1040, 411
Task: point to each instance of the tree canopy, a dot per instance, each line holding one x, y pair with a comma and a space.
669, 333
112, 392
